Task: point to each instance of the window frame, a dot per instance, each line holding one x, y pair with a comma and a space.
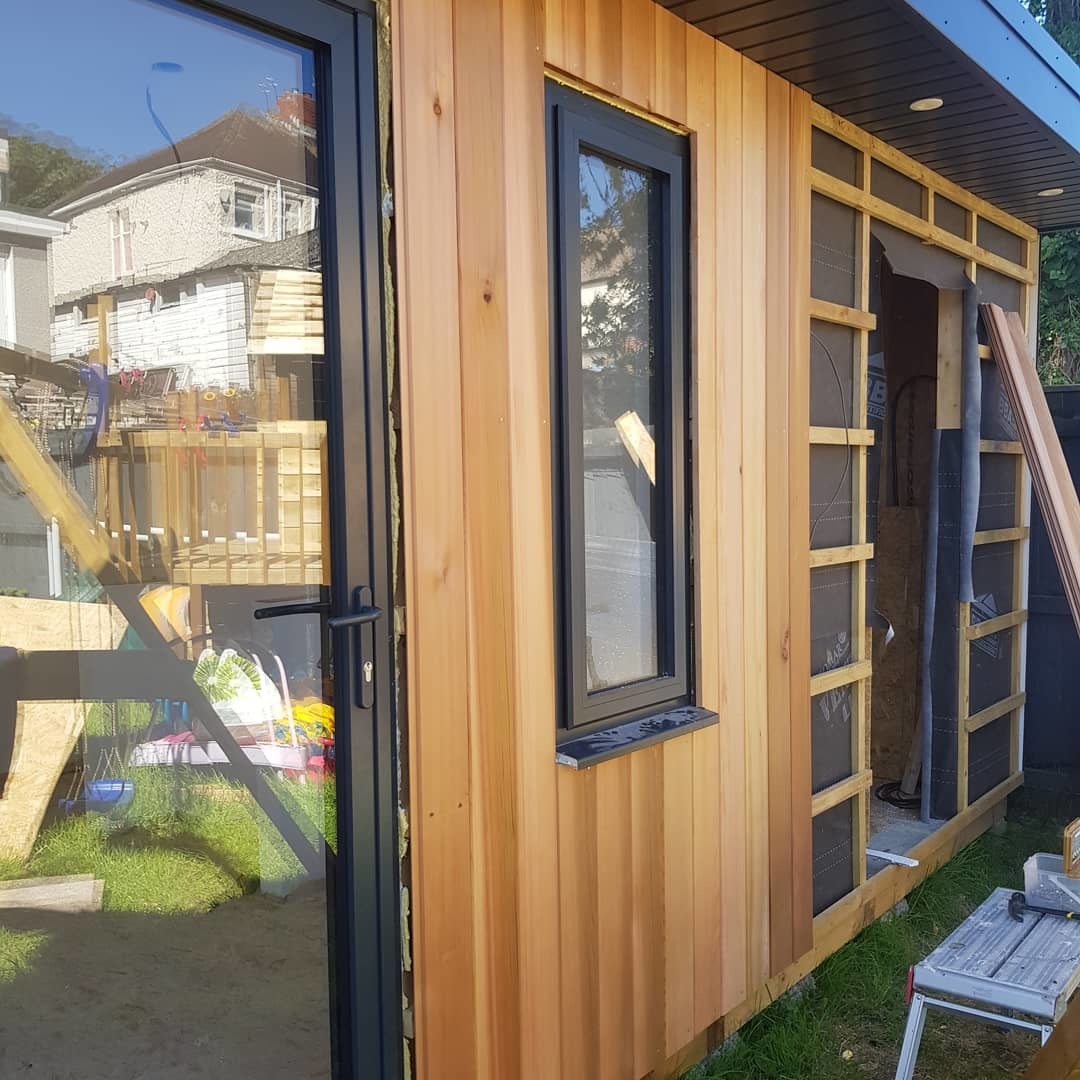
575, 122
260, 204
8, 325
120, 235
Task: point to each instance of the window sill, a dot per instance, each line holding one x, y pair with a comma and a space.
584, 751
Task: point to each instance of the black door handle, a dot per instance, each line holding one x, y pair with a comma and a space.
275, 611
360, 620
366, 614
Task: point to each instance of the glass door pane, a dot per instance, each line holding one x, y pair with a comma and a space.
167, 751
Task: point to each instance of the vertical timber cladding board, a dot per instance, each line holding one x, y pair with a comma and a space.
443, 935
521, 872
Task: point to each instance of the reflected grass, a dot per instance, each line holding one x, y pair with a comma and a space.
189, 840
17, 951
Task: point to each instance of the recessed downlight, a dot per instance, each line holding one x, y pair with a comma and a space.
927, 104
1051, 192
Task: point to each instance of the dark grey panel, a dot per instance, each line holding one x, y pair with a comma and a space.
950, 216
830, 738
988, 757
833, 865
832, 251
997, 491
830, 496
995, 288
998, 421
895, 188
835, 157
992, 581
991, 670
831, 597
1000, 241
832, 374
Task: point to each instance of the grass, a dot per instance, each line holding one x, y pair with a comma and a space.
848, 1022
189, 840
17, 949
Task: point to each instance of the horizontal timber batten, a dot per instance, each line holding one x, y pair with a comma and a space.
862, 140
974, 631
849, 195
826, 311
837, 556
841, 791
994, 712
837, 677
838, 436
998, 446
1001, 536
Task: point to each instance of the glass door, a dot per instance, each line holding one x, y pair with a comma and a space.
197, 866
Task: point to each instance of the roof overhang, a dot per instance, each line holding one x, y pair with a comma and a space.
1010, 125
26, 223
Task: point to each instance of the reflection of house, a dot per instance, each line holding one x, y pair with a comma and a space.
24, 277
24, 319
174, 246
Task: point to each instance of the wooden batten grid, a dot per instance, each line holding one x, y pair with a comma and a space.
867, 207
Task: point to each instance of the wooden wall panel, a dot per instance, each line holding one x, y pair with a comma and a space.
590, 924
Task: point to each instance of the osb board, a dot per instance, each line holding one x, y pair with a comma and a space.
589, 924
45, 731
895, 707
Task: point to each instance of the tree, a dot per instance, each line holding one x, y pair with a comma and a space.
1059, 291
41, 174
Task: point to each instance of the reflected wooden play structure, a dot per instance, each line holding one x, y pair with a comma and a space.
201, 495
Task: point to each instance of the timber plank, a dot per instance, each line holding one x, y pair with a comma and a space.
778, 521
678, 892
614, 917
755, 589
647, 904
485, 467
799, 516
532, 613
437, 662
729, 494
709, 954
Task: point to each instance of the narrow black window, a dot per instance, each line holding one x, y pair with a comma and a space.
619, 225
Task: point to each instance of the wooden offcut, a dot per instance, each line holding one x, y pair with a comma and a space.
1049, 470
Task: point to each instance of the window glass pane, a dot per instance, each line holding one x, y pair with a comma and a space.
622, 419
167, 779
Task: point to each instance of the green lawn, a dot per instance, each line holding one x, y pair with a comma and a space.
189, 840
849, 1021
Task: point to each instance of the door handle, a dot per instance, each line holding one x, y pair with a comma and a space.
367, 613
360, 620
275, 611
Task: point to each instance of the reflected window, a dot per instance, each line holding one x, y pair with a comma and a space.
620, 232
120, 228
249, 210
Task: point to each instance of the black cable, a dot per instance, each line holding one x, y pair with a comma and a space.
847, 436
892, 793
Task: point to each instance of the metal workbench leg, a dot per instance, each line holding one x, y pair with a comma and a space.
905, 1067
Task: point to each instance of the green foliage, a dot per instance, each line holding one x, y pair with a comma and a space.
1059, 289
42, 174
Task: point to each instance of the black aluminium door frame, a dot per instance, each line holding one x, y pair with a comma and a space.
364, 934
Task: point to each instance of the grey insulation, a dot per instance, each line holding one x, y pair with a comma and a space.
971, 423
926, 693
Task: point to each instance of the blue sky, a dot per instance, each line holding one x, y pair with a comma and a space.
79, 69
